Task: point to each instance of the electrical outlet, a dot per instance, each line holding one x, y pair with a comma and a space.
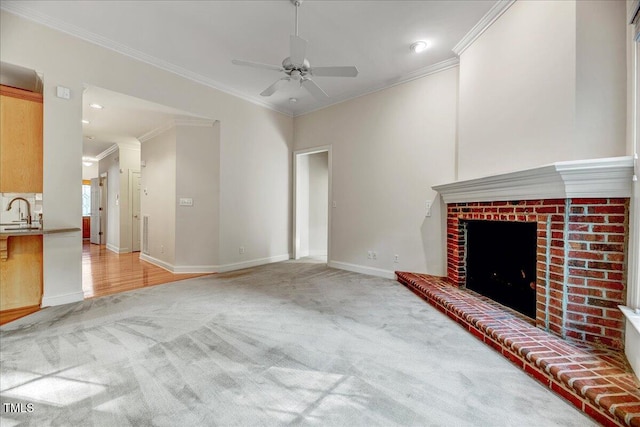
396, 258
375, 255
370, 254
241, 250
427, 206
161, 249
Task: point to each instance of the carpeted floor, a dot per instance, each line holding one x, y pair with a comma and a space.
287, 343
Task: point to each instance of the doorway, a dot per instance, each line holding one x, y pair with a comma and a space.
134, 192
312, 192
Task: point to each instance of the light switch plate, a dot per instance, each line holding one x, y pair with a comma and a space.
186, 201
63, 92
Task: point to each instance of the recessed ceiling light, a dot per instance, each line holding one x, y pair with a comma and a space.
91, 137
419, 46
87, 163
86, 122
96, 106
293, 100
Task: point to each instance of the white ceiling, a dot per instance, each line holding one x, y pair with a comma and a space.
123, 120
198, 39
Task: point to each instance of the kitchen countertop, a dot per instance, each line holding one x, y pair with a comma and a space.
24, 231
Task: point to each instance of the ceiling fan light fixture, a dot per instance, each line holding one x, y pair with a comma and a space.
419, 46
86, 122
96, 106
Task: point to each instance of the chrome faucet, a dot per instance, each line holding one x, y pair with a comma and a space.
28, 207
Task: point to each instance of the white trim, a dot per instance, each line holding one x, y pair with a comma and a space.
307, 151
253, 263
632, 316
371, 271
173, 123
107, 152
182, 269
157, 262
418, 74
62, 299
485, 22
114, 248
609, 177
40, 18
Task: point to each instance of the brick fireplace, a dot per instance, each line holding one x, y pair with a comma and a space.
581, 240
581, 247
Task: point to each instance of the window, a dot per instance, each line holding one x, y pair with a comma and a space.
86, 200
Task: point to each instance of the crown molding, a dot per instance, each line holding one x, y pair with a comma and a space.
592, 178
173, 123
107, 152
483, 24
25, 12
414, 75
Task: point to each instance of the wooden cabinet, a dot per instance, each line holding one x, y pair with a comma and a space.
21, 274
20, 141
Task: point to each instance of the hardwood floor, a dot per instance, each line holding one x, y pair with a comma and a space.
107, 273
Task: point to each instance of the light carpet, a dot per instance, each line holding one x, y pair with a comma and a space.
287, 343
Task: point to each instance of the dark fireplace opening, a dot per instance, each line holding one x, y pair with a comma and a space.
501, 262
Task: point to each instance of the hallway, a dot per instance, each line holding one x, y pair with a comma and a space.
106, 273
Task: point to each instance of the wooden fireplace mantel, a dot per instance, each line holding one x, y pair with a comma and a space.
593, 178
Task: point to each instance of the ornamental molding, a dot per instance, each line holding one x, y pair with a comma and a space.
593, 178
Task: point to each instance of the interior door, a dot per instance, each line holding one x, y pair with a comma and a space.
95, 211
135, 212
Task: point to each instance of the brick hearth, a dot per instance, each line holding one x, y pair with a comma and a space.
595, 380
581, 260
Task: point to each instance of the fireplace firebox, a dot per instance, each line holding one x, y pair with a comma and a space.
501, 262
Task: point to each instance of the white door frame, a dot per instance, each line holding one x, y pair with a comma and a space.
132, 173
296, 153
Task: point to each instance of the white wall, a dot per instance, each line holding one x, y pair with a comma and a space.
158, 195
318, 203
601, 97
543, 84
255, 147
388, 149
198, 178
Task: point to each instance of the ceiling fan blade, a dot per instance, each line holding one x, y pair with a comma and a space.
349, 71
298, 49
257, 65
274, 87
314, 89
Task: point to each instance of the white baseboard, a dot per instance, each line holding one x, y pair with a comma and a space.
372, 271
195, 269
117, 250
157, 262
62, 299
253, 263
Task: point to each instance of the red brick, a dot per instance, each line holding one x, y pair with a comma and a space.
593, 219
605, 265
582, 201
616, 219
586, 255
609, 229
608, 209
607, 420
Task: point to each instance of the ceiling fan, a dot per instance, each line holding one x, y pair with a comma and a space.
297, 67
